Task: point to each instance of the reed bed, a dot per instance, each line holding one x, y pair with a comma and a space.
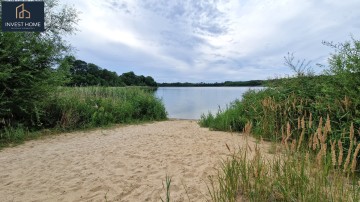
319, 155
99, 106
316, 122
70, 108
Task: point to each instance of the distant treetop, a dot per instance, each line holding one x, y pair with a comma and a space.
80, 73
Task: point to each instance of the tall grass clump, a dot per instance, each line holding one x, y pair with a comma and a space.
316, 118
70, 108
304, 96
81, 107
226, 120
300, 172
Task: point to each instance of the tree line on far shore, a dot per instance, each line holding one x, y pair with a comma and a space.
81, 73
226, 83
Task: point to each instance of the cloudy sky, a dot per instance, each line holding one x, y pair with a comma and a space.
210, 40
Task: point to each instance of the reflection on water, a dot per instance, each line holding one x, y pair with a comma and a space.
191, 102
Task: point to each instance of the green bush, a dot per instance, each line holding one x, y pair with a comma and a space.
26, 61
227, 120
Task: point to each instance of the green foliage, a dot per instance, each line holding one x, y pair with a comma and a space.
82, 107
13, 135
69, 108
227, 120
313, 113
26, 76
80, 73
130, 79
345, 66
28, 82
304, 96
278, 112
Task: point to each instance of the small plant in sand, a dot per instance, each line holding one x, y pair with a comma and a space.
166, 187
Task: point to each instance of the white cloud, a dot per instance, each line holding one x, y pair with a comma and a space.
186, 40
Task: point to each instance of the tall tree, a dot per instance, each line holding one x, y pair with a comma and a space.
26, 61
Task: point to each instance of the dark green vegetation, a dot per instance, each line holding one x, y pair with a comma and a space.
83, 107
34, 66
26, 76
70, 108
313, 116
80, 73
226, 83
335, 94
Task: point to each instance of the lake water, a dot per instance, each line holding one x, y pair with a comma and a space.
191, 102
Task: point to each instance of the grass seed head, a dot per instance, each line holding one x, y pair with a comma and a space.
354, 160
341, 152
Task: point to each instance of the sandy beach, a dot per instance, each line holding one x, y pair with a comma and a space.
125, 163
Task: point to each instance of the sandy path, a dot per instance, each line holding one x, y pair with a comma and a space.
124, 164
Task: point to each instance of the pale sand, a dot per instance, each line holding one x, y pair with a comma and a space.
126, 163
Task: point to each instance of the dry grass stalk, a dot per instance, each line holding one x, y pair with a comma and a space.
299, 123
293, 145
354, 160
319, 132
315, 141
323, 145
320, 122
328, 124
288, 130
324, 136
310, 121
301, 138
346, 102
248, 127
323, 149
347, 160
341, 152
288, 134
264, 102
310, 143
319, 157
303, 123
333, 152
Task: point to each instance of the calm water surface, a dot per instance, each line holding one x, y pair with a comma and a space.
191, 102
